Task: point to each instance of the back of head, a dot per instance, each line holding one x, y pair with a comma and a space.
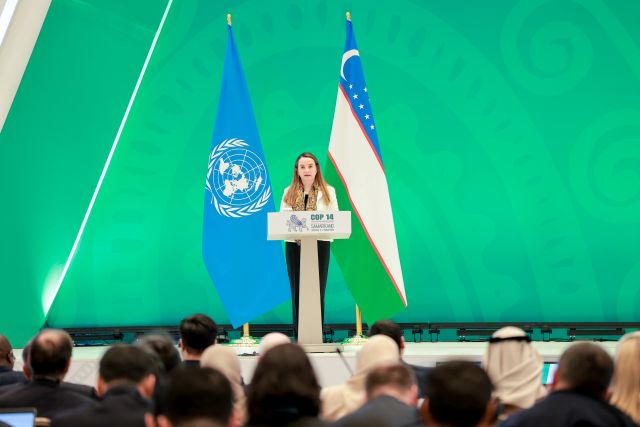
126, 363
225, 360
458, 394
195, 393
388, 328
271, 340
398, 377
50, 353
626, 377
6, 352
378, 350
585, 368
283, 388
164, 347
515, 368
198, 332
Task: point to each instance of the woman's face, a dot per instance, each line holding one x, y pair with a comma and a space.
307, 169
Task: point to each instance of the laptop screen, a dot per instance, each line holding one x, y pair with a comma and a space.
20, 417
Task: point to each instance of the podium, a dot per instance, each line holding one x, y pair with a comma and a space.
309, 227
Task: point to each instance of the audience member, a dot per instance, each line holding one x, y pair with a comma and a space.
515, 369
49, 359
579, 393
392, 395
82, 389
168, 358
394, 331
226, 360
7, 374
197, 332
458, 395
164, 347
340, 400
196, 397
626, 376
284, 390
271, 340
125, 384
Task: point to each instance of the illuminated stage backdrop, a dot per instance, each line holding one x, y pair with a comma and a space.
510, 132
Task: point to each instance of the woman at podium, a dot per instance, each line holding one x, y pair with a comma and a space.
308, 192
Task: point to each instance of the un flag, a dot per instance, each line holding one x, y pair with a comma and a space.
247, 270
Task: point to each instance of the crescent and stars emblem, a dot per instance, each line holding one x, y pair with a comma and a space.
345, 57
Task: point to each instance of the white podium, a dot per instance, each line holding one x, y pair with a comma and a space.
309, 227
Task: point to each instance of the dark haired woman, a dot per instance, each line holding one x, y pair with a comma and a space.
284, 390
308, 192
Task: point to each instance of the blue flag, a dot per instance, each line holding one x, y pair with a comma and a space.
247, 270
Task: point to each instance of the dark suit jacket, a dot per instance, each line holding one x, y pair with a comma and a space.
82, 389
570, 409
121, 406
421, 373
8, 376
45, 395
383, 411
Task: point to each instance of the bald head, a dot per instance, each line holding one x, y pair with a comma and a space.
6, 352
50, 353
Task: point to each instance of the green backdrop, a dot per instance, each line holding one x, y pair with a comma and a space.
510, 132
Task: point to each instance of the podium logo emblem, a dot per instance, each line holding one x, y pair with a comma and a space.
237, 179
296, 224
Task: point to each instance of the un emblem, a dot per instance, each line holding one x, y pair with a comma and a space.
237, 179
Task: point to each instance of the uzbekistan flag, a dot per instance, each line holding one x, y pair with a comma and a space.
369, 260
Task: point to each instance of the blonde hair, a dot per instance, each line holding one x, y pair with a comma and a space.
296, 182
626, 377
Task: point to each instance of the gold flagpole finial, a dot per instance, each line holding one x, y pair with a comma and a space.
348, 16
229, 18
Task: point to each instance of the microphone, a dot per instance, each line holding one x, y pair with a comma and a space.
344, 361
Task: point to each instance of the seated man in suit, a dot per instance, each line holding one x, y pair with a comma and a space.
394, 331
392, 395
125, 384
579, 396
7, 374
197, 332
458, 395
84, 390
50, 358
195, 396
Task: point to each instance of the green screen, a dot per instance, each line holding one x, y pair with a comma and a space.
509, 130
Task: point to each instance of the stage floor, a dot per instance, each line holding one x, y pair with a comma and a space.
331, 368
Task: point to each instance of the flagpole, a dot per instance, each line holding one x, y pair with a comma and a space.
247, 340
358, 338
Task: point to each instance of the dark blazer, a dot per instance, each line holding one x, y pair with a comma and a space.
82, 389
45, 395
421, 373
383, 411
8, 376
570, 409
121, 406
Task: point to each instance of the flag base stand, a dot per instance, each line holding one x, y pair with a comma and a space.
322, 348
245, 342
355, 340
358, 338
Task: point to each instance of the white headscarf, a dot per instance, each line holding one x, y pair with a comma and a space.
340, 400
271, 340
515, 368
227, 362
